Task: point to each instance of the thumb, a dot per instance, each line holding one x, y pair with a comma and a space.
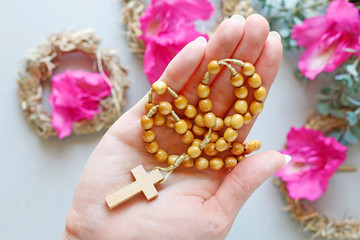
245, 178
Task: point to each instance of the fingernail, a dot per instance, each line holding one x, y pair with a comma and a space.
275, 34
287, 159
201, 39
238, 17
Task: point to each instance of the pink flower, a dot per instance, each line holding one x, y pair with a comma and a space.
327, 38
167, 26
75, 96
315, 159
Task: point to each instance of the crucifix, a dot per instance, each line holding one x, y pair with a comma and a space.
144, 183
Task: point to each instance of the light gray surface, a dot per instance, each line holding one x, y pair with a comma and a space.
38, 177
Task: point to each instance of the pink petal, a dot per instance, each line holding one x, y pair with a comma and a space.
343, 13
309, 31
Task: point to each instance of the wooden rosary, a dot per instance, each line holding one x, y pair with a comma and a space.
200, 122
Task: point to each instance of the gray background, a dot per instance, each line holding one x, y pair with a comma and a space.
38, 177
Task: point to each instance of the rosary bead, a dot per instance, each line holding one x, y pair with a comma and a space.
214, 67
203, 90
172, 159
227, 121
237, 121
241, 106
214, 136
260, 94
198, 130
210, 149
237, 80
194, 151
146, 123
248, 69
240, 158
159, 119
196, 142
221, 145
256, 107
210, 120
161, 155
241, 92
188, 122
165, 108
188, 163
148, 135
216, 163
188, 137
257, 144
181, 102
230, 134
190, 111
152, 147
254, 81
199, 120
205, 105
201, 163
181, 126
159, 87
148, 106
219, 124
247, 117
237, 149
170, 121
230, 162
248, 147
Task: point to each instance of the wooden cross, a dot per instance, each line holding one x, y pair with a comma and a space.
144, 183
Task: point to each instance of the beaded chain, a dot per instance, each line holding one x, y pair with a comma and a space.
200, 121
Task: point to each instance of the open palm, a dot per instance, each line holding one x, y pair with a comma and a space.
192, 204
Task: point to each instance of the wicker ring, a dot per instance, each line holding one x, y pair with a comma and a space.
40, 65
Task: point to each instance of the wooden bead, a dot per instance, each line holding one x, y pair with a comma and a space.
241, 92
198, 130
230, 162
181, 102
203, 90
194, 151
172, 159
219, 124
161, 155
210, 120
188, 122
248, 69
190, 111
256, 107
196, 142
148, 106
248, 147
260, 94
188, 137
247, 117
170, 121
254, 81
165, 108
152, 147
146, 123
221, 144
227, 121
214, 136
230, 134
205, 105
201, 163
210, 149
159, 87
148, 135
216, 163
237, 80
214, 67
237, 149
159, 119
241, 106
199, 120
188, 163
257, 144
237, 121
181, 127
240, 158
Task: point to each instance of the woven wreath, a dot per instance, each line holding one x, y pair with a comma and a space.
40, 65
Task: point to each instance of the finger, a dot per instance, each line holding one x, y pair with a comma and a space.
244, 179
249, 49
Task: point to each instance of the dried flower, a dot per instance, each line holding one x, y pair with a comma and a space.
167, 26
75, 96
315, 158
328, 40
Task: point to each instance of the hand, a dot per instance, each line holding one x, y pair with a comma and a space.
192, 204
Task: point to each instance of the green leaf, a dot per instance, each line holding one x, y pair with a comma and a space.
353, 101
351, 68
356, 131
350, 138
326, 90
323, 97
284, 32
297, 20
351, 118
336, 135
323, 108
336, 113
